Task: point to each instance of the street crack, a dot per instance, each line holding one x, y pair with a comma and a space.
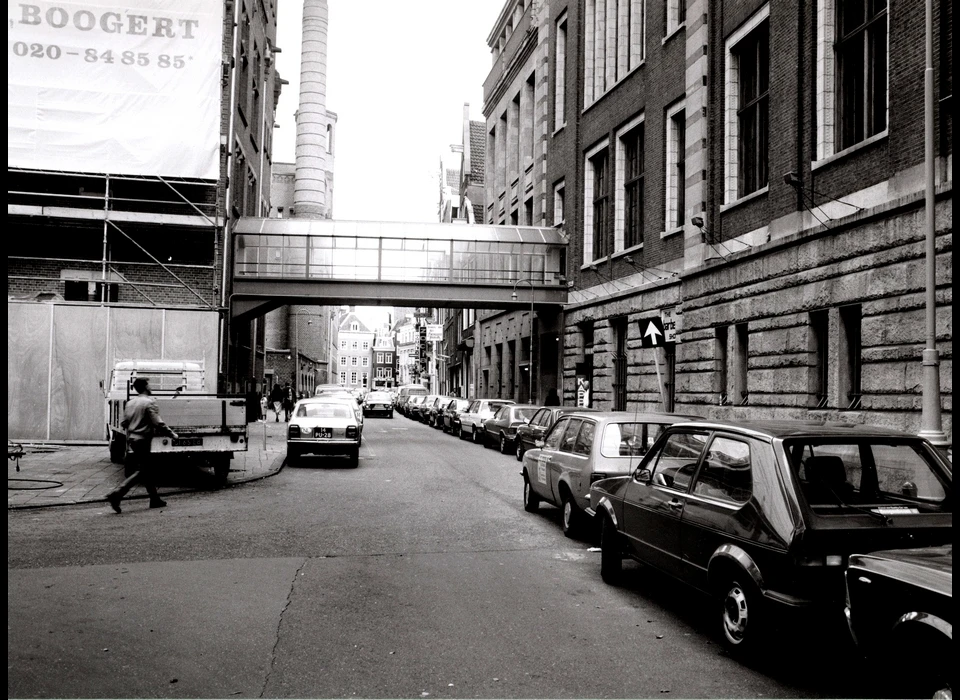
276, 642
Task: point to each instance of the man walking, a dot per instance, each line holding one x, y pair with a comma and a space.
289, 399
142, 421
276, 399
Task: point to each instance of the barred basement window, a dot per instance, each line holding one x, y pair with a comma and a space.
851, 349
820, 328
619, 327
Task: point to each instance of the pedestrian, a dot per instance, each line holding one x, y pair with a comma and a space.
141, 422
263, 406
289, 398
553, 399
276, 399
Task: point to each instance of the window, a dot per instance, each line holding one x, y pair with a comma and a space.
596, 198
84, 290
570, 435
676, 167
528, 212
852, 63
343, 377
559, 73
365, 377
365, 362
379, 358
366, 344
676, 462
343, 361
353, 345
558, 194
675, 14
354, 326
747, 107
343, 344
353, 377
850, 349
619, 327
741, 354
820, 331
726, 473
720, 345
614, 44
353, 361
630, 186
388, 357
584, 443
552, 441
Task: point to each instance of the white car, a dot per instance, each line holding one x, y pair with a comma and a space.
471, 420
347, 400
323, 426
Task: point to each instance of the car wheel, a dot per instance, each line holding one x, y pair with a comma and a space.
519, 450
460, 432
531, 501
293, 455
741, 614
474, 436
571, 516
611, 553
504, 445
355, 457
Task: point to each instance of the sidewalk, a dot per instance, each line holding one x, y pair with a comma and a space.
60, 475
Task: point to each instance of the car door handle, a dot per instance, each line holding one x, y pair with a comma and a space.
675, 503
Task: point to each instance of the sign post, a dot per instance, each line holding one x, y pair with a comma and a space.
652, 336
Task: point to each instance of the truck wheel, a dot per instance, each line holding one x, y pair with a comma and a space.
118, 448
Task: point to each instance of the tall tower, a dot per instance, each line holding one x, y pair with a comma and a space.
312, 133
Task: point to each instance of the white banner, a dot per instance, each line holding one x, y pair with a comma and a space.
434, 331
101, 87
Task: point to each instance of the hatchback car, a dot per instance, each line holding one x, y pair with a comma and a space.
347, 399
582, 448
539, 425
899, 608
764, 515
324, 427
501, 430
471, 420
451, 414
378, 403
411, 407
423, 409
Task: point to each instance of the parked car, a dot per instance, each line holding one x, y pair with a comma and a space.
411, 405
423, 409
347, 399
378, 403
539, 425
764, 515
471, 420
434, 413
582, 448
501, 429
323, 426
405, 391
451, 414
899, 608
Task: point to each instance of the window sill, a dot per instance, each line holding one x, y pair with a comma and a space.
743, 200
627, 251
558, 130
849, 150
587, 266
671, 232
673, 32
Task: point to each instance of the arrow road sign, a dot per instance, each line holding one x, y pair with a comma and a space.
651, 332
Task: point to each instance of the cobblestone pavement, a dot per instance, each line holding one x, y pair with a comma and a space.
57, 474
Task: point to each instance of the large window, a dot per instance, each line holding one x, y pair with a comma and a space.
600, 170
559, 73
852, 63
676, 166
748, 107
614, 45
634, 168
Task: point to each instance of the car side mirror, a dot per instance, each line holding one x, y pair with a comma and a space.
643, 476
538, 443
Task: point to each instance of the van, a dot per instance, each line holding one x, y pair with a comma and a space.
408, 390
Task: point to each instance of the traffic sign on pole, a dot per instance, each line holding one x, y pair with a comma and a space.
651, 332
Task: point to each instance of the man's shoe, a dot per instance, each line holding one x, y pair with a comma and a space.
114, 502
157, 504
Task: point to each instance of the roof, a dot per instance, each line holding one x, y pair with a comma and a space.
350, 319
803, 428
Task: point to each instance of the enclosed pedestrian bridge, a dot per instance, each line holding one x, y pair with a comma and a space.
368, 263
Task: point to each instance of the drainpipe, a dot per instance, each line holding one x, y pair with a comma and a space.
931, 426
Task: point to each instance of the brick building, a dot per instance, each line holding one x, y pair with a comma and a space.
753, 171
517, 352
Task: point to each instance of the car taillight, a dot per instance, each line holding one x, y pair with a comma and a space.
351, 431
294, 431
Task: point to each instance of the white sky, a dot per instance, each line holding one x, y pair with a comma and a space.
398, 74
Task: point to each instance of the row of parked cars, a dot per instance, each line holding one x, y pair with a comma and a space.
773, 519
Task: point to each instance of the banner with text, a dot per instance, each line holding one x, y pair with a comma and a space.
129, 89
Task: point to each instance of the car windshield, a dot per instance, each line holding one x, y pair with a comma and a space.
893, 476
378, 397
525, 412
324, 410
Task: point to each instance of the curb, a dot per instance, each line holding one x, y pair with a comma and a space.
275, 468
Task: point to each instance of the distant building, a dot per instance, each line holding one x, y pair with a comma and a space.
384, 359
355, 351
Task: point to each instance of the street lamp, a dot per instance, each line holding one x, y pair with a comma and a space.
513, 295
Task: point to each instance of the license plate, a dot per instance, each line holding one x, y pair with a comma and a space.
187, 442
323, 432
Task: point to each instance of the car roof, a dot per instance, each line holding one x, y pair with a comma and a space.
802, 428
636, 416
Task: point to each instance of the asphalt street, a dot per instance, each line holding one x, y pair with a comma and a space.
417, 574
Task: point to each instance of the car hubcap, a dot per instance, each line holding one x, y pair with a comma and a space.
519, 451
503, 445
526, 493
735, 614
567, 514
